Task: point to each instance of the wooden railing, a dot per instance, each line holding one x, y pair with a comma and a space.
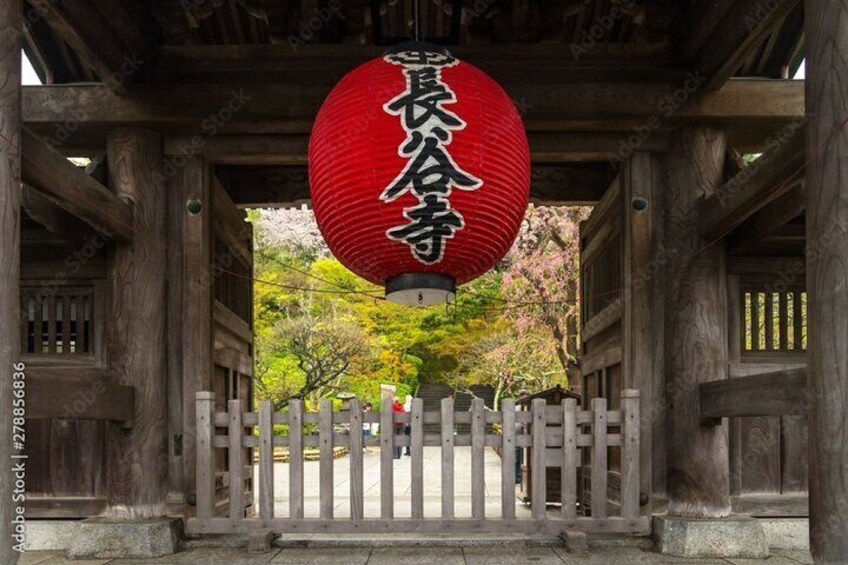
562, 429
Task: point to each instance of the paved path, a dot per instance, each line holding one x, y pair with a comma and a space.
497, 555
402, 485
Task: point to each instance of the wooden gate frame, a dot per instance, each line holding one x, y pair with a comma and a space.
571, 424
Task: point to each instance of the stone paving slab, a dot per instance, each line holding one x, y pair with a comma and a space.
416, 555
324, 556
511, 556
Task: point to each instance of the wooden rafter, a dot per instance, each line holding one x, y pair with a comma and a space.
766, 179
742, 29
105, 34
60, 181
766, 221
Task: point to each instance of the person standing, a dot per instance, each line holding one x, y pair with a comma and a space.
397, 408
407, 428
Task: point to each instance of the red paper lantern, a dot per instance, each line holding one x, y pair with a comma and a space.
419, 172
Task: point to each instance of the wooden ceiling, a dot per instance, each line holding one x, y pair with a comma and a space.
672, 29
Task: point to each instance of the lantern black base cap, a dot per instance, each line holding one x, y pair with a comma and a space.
421, 289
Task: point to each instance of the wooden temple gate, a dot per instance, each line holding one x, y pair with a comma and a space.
225, 502
712, 284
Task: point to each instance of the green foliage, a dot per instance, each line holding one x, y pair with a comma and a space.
308, 306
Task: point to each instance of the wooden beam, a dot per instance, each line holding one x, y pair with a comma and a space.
769, 177
262, 108
744, 27
827, 291
269, 187
781, 393
64, 184
546, 147
55, 395
781, 211
107, 35
11, 24
695, 340
54, 219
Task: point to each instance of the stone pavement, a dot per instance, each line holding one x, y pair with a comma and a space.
402, 485
465, 555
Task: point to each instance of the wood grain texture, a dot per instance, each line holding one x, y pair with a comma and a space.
387, 476
642, 179
357, 490
235, 458
695, 328
63, 183
538, 458
195, 247
588, 106
266, 460
447, 459
417, 457
325, 448
826, 23
296, 459
205, 468
138, 458
10, 264
778, 393
570, 459
508, 459
478, 444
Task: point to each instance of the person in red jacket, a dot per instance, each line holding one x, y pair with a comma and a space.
397, 408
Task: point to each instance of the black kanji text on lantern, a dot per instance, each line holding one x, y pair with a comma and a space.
430, 172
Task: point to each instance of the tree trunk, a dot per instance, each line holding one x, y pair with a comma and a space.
827, 287
695, 346
10, 265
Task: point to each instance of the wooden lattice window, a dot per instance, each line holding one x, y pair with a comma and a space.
774, 321
602, 278
57, 321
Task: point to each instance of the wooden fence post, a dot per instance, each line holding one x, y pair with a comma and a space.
599, 458
630, 423
508, 459
417, 455
387, 479
478, 462
356, 467
569, 459
447, 459
266, 460
296, 459
325, 449
539, 492
205, 469
236, 461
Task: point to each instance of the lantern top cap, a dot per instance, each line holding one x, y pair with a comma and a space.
418, 46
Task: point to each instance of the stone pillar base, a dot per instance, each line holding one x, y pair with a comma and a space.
100, 538
737, 537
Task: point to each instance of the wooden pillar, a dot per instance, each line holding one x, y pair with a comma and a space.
10, 265
695, 328
827, 276
192, 184
138, 456
642, 336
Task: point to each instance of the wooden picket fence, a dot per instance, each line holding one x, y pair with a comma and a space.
563, 430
